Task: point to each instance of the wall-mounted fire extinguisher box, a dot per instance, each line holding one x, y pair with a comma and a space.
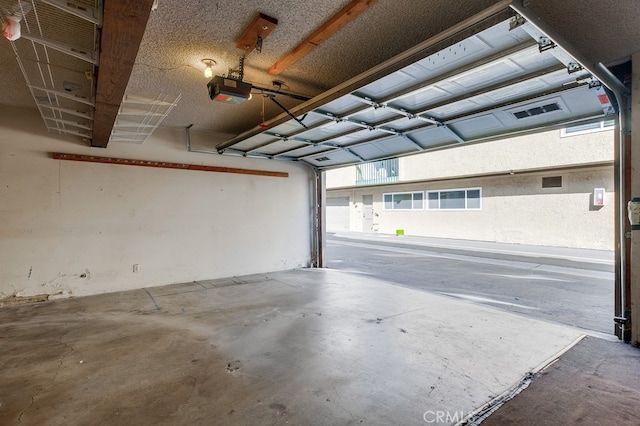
633, 209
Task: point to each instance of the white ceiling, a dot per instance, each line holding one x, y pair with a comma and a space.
181, 33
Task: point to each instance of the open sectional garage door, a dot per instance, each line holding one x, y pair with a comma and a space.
494, 76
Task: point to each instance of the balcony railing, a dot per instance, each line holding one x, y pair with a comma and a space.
383, 171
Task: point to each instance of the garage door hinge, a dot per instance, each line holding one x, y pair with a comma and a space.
545, 43
573, 67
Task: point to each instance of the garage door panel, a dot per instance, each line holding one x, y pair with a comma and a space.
337, 214
468, 86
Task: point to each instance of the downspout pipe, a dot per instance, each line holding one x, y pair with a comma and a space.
621, 93
188, 136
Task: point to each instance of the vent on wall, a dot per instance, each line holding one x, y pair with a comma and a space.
537, 110
552, 182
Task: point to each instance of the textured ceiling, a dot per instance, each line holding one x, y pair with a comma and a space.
181, 33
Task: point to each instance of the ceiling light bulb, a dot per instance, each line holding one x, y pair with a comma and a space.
208, 70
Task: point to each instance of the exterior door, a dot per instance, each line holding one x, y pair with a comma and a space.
367, 213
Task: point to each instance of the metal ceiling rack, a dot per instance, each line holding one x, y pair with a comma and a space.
138, 117
57, 55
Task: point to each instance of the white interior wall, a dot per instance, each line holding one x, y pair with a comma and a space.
72, 228
515, 209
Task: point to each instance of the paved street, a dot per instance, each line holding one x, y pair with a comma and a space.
572, 287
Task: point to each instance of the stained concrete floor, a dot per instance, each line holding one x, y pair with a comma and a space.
307, 347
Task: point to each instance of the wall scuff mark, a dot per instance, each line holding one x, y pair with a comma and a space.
21, 300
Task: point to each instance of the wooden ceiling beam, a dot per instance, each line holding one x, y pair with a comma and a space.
123, 25
332, 26
261, 26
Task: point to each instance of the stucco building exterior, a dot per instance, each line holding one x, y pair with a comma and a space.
553, 188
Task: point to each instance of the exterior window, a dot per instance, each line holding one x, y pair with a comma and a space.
473, 198
581, 129
404, 201
455, 199
452, 199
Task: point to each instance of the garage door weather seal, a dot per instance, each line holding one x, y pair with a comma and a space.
481, 414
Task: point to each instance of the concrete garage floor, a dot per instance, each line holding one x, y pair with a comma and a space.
306, 347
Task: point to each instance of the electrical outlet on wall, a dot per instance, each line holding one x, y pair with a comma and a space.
136, 267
